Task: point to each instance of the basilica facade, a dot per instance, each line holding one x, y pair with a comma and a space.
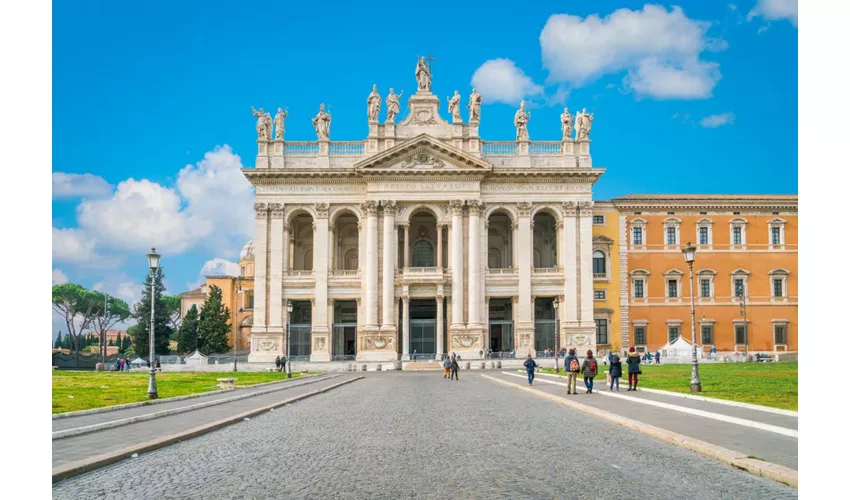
423, 238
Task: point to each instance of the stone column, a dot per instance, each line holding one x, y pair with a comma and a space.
370, 298
407, 245
439, 246
585, 297
275, 276
286, 242
456, 259
525, 323
260, 262
440, 348
570, 246
405, 353
319, 327
474, 263
390, 240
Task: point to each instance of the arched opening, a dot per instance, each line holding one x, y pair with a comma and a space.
347, 242
422, 240
545, 241
302, 242
599, 269
499, 241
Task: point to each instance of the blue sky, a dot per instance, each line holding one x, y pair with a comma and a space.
151, 104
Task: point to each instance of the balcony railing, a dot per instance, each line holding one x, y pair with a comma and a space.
501, 271
600, 276
342, 273
346, 148
498, 149
546, 270
301, 148
547, 148
421, 270
304, 273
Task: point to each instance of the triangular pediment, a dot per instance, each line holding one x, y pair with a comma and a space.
423, 154
602, 239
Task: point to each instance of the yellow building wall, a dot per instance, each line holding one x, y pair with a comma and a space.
610, 306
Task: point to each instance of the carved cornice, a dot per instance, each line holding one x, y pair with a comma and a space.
260, 210
456, 207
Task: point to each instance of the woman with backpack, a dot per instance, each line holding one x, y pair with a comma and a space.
634, 368
572, 367
589, 370
530, 365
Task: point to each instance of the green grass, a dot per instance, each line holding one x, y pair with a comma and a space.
82, 390
768, 384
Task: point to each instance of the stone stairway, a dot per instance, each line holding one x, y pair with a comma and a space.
422, 366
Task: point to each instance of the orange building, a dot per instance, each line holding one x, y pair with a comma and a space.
744, 274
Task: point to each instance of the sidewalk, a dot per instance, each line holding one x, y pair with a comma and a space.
76, 449
761, 434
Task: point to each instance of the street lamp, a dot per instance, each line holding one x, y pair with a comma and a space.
236, 327
696, 385
743, 312
557, 334
153, 263
288, 337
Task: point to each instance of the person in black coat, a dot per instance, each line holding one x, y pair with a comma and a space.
277, 363
616, 371
633, 361
455, 367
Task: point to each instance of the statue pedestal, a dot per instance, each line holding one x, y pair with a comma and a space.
324, 159
523, 160
262, 154
582, 153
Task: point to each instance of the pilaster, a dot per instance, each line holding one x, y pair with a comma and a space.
275, 265
456, 260
370, 298
524, 323
320, 332
476, 284
586, 265
261, 247
390, 242
405, 353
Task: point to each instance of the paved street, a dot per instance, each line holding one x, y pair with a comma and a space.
415, 435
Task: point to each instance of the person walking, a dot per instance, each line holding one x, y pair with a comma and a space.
454, 368
657, 358
616, 371
530, 365
447, 367
589, 370
572, 367
277, 363
634, 368
283, 363
414, 355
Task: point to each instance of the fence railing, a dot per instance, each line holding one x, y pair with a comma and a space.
499, 148
346, 148
547, 148
301, 148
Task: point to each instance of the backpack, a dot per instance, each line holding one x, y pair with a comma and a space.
574, 365
593, 366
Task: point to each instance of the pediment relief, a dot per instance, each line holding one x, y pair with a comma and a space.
422, 158
423, 154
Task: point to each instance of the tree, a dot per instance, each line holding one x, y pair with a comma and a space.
111, 311
213, 324
172, 305
77, 306
126, 342
57, 344
187, 336
140, 332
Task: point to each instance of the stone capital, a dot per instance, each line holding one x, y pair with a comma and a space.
276, 210
524, 208
456, 207
388, 206
322, 210
585, 208
370, 208
475, 207
260, 210
570, 208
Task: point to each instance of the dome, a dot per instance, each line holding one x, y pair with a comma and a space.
247, 251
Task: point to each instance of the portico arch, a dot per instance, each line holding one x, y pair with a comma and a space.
545, 231
499, 240
346, 243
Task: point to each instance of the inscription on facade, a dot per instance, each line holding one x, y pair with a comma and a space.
342, 188
535, 188
424, 186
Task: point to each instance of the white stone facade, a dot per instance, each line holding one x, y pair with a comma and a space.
418, 212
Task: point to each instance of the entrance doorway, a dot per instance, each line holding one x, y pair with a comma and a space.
544, 325
501, 327
423, 328
300, 327
344, 331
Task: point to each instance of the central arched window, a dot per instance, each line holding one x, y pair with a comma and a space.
599, 263
423, 254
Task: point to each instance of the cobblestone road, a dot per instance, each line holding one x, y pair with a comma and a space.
415, 435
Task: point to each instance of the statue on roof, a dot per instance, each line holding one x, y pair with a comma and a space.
423, 75
393, 105
278, 123
322, 124
454, 108
474, 106
583, 123
264, 124
521, 122
566, 124
373, 104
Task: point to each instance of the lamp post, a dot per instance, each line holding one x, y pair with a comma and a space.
288, 337
557, 335
743, 312
241, 310
696, 384
153, 262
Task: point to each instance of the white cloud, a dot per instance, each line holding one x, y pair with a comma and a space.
72, 245
122, 287
59, 278
659, 50
500, 80
775, 10
215, 267
719, 120
79, 185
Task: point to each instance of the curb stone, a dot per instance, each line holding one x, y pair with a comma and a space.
76, 431
767, 470
75, 468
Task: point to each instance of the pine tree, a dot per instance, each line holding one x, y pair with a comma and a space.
140, 332
57, 344
187, 335
213, 324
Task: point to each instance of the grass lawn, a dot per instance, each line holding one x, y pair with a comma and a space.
768, 384
82, 390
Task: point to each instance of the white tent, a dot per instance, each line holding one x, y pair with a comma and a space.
679, 348
196, 358
139, 362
